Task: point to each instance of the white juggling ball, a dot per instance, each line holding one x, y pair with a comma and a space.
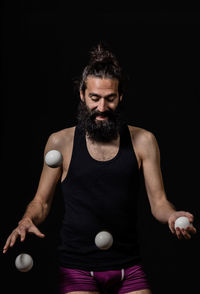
53, 158
103, 240
24, 262
182, 222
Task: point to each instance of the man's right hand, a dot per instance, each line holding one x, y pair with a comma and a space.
24, 226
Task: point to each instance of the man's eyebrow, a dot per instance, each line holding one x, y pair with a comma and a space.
99, 96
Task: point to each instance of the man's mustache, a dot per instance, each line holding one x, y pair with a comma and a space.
107, 113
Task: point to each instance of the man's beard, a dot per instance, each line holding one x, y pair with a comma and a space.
99, 131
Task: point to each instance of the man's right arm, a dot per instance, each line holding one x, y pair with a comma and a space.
38, 209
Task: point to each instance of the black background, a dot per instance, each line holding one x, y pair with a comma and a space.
44, 48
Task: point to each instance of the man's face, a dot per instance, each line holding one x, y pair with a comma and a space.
98, 110
101, 95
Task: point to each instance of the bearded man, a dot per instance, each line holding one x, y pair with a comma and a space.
103, 158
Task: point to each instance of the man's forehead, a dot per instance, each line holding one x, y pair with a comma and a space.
101, 83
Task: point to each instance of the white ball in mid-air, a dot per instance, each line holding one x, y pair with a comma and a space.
182, 222
104, 240
53, 158
24, 262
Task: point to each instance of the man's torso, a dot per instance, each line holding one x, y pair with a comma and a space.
98, 151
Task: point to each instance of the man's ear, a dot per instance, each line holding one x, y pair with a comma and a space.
82, 96
120, 98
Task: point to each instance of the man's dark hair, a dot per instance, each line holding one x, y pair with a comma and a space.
102, 64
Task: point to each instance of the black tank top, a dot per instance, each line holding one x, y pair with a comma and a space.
98, 196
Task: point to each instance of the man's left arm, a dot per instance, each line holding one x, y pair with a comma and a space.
163, 210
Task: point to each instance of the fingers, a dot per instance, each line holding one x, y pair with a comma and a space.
22, 234
6, 246
172, 227
185, 233
182, 234
21, 231
191, 230
36, 231
190, 216
11, 240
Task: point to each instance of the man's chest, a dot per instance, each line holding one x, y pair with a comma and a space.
103, 152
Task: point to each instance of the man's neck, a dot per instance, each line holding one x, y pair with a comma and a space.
112, 142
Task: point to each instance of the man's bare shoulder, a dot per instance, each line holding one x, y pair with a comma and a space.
140, 133
142, 139
62, 137
64, 133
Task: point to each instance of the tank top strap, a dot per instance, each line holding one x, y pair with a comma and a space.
126, 144
125, 137
79, 137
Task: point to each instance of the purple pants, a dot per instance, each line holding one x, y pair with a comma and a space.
118, 281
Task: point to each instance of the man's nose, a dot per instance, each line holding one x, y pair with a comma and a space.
102, 105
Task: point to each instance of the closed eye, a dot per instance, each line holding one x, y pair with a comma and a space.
95, 97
